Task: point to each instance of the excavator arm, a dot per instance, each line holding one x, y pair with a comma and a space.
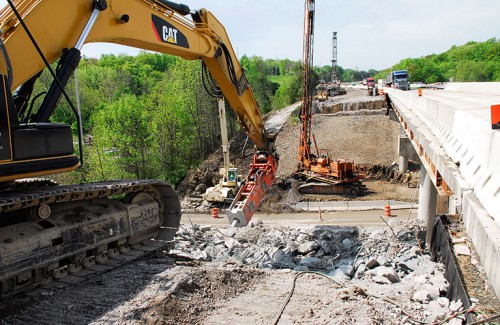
36, 33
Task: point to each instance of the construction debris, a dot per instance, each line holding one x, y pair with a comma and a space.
395, 268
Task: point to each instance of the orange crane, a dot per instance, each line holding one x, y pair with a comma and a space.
322, 174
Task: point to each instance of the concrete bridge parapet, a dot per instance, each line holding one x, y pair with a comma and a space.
460, 124
451, 131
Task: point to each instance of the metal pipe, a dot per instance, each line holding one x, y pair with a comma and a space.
87, 29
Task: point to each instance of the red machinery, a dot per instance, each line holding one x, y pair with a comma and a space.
323, 175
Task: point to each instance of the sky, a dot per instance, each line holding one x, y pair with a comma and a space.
371, 34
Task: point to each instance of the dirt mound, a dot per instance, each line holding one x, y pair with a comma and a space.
206, 287
198, 179
281, 194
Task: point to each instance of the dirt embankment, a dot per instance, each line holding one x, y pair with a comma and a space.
369, 139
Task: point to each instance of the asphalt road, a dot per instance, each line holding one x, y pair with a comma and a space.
341, 218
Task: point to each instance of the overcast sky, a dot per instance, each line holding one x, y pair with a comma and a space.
371, 33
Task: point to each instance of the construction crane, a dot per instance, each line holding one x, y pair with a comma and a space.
322, 174
333, 88
334, 57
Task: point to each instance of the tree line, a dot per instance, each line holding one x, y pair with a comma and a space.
471, 62
148, 116
144, 116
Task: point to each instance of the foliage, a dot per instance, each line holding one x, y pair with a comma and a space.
473, 61
148, 116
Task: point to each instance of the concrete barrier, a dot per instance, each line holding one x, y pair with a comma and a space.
485, 235
491, 88
352, 205
458, 132
454, 131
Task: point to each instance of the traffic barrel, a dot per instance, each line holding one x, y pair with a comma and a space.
387, 210
215, 213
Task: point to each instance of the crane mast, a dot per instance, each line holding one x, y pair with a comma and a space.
322, 173
305, 111
334, 57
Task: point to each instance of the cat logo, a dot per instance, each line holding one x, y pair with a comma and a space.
167, 33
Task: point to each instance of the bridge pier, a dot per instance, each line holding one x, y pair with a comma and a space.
406, 152
403, 164
427, 201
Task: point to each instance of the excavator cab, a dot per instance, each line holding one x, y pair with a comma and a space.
31, 149
232, 175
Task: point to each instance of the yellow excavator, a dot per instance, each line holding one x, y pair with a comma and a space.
47, 230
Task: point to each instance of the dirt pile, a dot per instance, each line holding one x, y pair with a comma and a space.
205, 287
199, 179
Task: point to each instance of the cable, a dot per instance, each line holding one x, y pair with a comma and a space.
404, 311
487, 319
211, 86
240, 85
413, 200
278, 316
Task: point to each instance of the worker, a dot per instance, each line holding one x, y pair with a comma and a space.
408, 178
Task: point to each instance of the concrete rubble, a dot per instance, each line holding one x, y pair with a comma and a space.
387, 266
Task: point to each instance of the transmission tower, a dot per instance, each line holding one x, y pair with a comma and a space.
334, 57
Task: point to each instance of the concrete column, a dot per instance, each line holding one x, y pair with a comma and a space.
427, 201
406, 152
403, 164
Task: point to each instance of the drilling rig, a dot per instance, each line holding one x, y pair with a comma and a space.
321, 173
333, 87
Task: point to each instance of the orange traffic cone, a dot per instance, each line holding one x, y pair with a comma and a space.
420, 91
387, 210
215, 213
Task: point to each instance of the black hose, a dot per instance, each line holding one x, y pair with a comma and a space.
211, 87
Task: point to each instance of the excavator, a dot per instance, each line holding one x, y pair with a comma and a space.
321, 173
47, 230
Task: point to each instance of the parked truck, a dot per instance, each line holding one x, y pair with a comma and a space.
321, 91
398, 79
370, 85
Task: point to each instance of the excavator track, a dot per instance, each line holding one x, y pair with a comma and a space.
51, 231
